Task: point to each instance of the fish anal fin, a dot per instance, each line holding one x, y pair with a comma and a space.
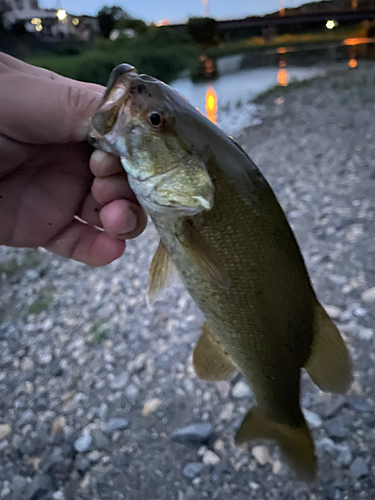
329, 364
295, 442
204, 257
210, 360
160, 271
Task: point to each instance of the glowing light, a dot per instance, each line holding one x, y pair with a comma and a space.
162, 22
283, 77
208, 67
75, 21
211, 104
36, 20
61, 14
354, 4
358, 41
330, 24
353, 63
38, 27
282, 50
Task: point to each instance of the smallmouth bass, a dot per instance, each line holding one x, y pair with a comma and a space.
222, 228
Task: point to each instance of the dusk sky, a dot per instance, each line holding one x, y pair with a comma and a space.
174, 10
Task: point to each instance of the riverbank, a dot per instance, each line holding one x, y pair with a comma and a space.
81, 348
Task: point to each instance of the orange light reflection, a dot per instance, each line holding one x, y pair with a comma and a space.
358, 41
353, 63
282, 50
211, 104
283, 77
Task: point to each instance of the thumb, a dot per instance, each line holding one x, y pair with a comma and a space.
41, 110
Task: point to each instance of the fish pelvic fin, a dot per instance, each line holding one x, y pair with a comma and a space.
204, 257
295, 442
210, 360
329, 365
160, 271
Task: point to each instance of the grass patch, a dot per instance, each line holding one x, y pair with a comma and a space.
31, 258
98, 332
42, 302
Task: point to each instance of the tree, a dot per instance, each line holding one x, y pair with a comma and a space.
139, 26
108, 16
204, 31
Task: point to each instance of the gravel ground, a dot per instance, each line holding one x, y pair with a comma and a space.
96, 387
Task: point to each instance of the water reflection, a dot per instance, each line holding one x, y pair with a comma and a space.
211, 104
282, 74
353, 63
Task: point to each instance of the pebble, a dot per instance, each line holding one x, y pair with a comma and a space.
58, 495
192, 470
241, 390
210, 458
336, 429
100, 439
5, 430
358, 468
94, 456
345, 454
261, 454
82, 464
334, 406
103, 411
368, 295
312, 418
120, 381
277, 467
132, 392
198, 433
365, 333
27, 364
83, 443
333, 311
116, 424
27, 417
58, 425
150, 406
227, 412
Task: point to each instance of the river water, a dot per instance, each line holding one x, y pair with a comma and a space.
243, 77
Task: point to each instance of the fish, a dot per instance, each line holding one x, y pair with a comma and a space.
222, 228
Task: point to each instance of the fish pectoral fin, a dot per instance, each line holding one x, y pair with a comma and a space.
160, 271
295, 442
329, 364
210, 360
204, 257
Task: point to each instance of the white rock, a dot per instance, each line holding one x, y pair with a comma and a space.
333, 311
261, 454
210, 458
241, 390
312, 418
5, 430
150, 406
227, 412
369, 295
27, 364
277, 467
365, 333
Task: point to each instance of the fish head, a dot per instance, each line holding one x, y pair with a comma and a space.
137, 120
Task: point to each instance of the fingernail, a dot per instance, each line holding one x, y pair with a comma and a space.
131, 224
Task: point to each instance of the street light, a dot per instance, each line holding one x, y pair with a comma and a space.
61, 14
330, 24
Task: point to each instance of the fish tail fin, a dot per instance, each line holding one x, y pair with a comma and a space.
295, 442
329, 364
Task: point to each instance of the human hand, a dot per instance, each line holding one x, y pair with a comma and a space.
45, 180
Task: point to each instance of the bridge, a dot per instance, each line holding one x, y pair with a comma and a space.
289, 23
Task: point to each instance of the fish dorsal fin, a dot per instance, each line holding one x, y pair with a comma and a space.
329, 364
204, 257
210, 360
295, 442
160, 271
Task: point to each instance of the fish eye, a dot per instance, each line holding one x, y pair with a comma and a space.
155, 119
